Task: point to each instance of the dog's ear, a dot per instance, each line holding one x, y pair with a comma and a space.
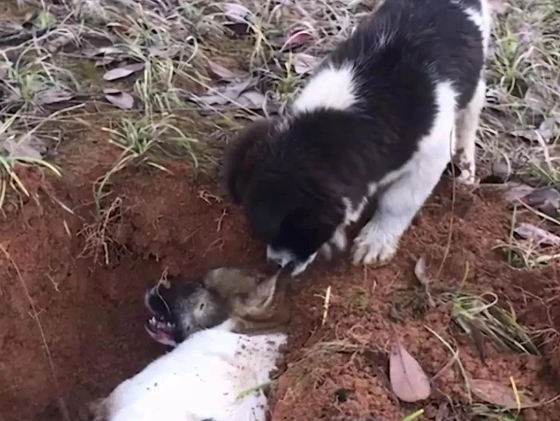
241, 157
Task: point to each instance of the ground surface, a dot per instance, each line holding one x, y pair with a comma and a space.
138, 197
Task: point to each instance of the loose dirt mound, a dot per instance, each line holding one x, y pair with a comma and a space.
341, 372
90, 308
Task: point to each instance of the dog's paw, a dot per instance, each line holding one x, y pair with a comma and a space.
374, 246
335, 245
326, 251
467, 178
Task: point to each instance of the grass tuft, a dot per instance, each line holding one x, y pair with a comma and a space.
482, 312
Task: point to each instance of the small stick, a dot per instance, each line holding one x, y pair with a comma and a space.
326, 305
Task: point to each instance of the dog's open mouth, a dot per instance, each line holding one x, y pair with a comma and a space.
161, 330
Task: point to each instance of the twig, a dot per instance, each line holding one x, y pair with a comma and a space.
326, 305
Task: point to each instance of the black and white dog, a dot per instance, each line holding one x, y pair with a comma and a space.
382, 116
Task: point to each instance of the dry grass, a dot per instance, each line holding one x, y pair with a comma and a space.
175, 40
520, 123
481, 314
99, 242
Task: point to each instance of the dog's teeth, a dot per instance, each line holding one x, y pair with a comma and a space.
168, 324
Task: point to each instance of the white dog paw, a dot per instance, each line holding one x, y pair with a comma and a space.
374, 247
336, 244
467, 178
326, 251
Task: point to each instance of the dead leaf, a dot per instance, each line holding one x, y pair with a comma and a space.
119, 98
123, 71
518, 192
164, 51
537, 235
251, 100
101, 51
304, 63
53, 96
28, 146
104, 56
220, 71
545, 132
408, 381
225, 94
420, 272
545, 199
543, 196
235, 12
296, 38
498, 394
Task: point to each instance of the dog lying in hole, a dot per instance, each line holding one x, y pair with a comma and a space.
381, 118
226, 330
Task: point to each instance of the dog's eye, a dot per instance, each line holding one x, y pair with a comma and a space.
201, 306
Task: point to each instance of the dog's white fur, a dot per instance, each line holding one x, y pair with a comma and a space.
403, 192
213, 375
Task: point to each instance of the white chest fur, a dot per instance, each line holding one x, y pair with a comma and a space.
214, 375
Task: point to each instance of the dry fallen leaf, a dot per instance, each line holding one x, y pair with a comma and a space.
224, 94
545, 132
296, 38
304, 63
408, 381
498, 394
235, 12
252, 100
123, 71
420, 272
220, 71
537, 235
52, 96
545, 199
118, 98
28, 146
164, 51
101, 51
518, 192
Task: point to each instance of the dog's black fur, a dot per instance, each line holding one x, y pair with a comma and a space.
291, 175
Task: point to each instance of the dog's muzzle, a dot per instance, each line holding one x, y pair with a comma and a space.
282, 258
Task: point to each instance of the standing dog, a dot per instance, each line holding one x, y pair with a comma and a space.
382, 116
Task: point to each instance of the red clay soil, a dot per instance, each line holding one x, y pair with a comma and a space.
88, 308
